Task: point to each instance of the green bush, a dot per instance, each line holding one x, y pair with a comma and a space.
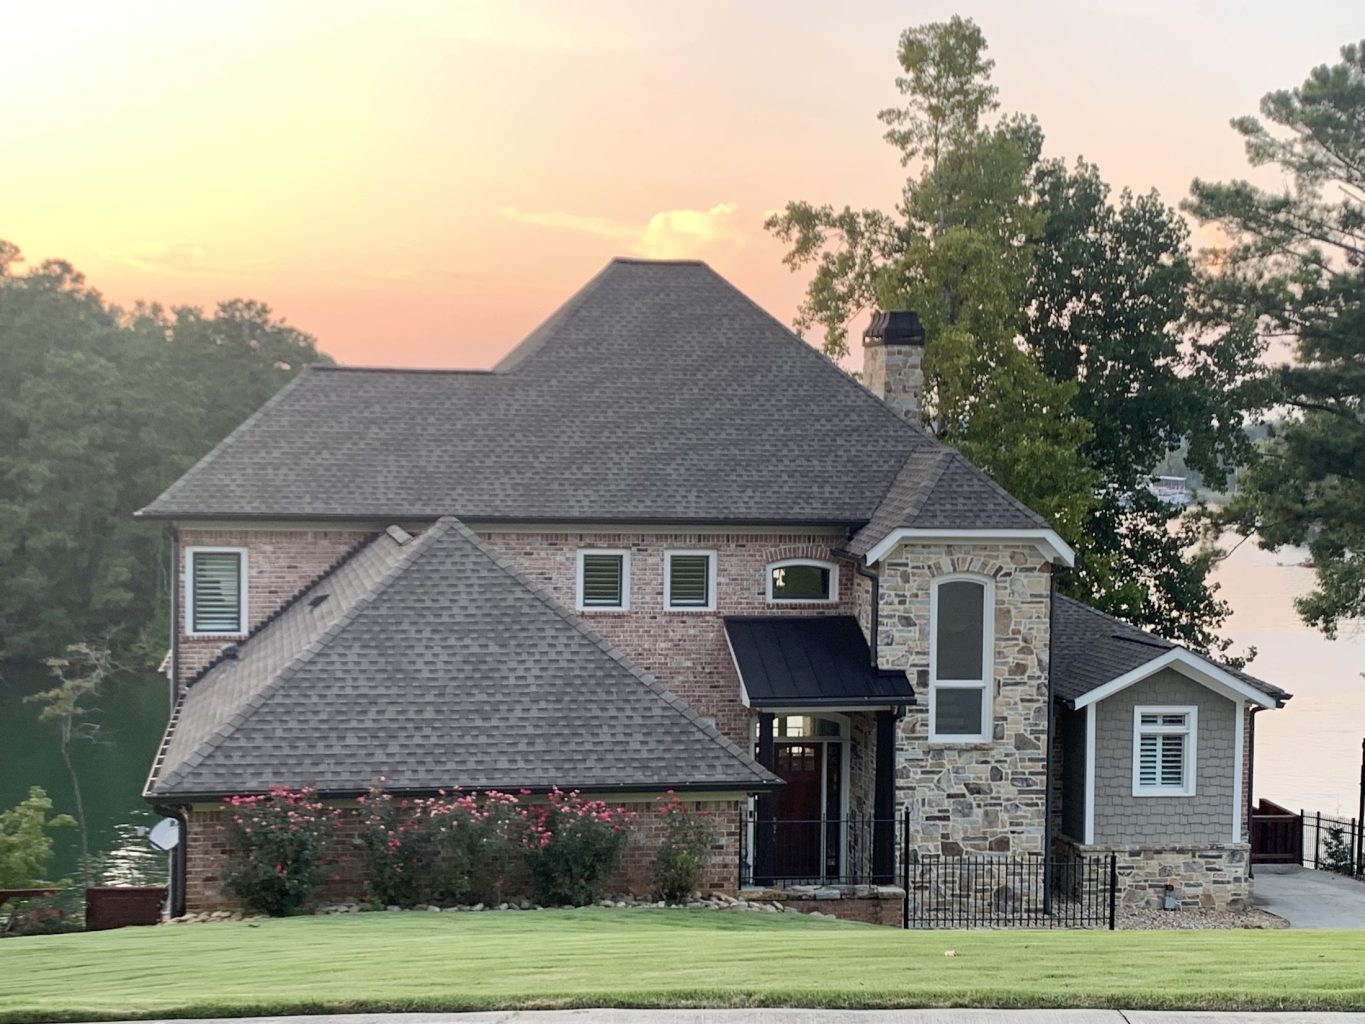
572, 846
452, 848
25, 846
685, 850
278, 846
1337, 854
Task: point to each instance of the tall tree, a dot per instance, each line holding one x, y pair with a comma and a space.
100, 410
1294, 266
1061, 354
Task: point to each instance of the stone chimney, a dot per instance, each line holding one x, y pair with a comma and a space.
893, 361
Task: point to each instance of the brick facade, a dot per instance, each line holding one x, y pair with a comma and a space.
685, 650
977, 797
279, 563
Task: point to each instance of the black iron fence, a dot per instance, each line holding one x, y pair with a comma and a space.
1065, 891
858, 850
1332, 844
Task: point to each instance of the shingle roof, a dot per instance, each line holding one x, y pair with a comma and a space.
657, 393
435, 664
1090, 648
789, 661
937, 488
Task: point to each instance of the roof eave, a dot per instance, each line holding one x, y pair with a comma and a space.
1048, 542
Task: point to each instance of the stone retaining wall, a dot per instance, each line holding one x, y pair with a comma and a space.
1202, 877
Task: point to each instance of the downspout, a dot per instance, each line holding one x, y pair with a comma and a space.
874, 609
175, 900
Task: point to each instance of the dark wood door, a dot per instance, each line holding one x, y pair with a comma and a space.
796, 810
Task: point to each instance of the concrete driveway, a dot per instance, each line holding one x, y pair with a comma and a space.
1309, 899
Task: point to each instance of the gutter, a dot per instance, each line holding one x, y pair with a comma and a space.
757, 786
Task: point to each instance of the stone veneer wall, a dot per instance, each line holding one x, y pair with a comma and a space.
279, 563
1212, 877
984, 797
205, 848
685, 650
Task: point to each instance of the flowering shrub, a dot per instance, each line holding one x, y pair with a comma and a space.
277, 848
451, 848
572, 846
685, 850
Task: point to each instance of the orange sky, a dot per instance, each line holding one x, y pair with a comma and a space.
421, 183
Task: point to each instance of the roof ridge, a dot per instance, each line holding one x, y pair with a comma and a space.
848, 378
240, 428
677, 703
991, 481
205, 749
519, 352
292, 600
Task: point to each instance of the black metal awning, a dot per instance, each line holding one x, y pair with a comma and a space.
810, 662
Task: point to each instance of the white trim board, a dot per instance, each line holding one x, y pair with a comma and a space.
1188, 664
1049, 544
1239, 738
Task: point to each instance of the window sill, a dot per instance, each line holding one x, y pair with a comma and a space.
976, 742
595, 610
214, 636
1186, 793
689, 610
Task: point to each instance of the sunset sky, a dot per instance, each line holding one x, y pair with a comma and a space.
421, 183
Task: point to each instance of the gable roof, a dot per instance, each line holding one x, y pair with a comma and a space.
937, 490
658, 393
433, 664
1092, 651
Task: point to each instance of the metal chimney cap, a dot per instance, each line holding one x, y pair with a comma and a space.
894, 327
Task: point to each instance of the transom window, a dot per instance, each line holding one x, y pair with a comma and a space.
215, 595
690, 580
603, 579
798, 580
1163, 750
961, 625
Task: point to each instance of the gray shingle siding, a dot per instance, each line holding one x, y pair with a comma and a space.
1201, 819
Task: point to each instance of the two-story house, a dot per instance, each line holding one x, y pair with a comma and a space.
665, 544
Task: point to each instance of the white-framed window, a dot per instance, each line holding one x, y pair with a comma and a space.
961, 653
603, 579
215, 591
690, 581
1164, 750
802, 581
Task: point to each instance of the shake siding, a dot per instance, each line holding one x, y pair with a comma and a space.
1204, 818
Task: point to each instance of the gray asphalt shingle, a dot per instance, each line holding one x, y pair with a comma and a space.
1089, 648
435, 664
658, 393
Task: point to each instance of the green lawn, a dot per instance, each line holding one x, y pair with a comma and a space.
423, 961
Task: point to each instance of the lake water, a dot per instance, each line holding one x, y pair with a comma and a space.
1307, 755
127, 719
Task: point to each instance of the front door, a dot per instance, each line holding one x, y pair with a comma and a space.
796, 810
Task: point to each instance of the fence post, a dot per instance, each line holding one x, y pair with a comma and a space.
905, 866
1317, 839
1113, 887
1301, 820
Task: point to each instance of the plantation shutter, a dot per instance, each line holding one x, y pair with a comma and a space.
216, 577
602, 581
1161, 755
689, 581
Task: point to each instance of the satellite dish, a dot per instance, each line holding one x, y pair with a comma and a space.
165, 834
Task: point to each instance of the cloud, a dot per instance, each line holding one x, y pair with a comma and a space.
667, 234
185, 259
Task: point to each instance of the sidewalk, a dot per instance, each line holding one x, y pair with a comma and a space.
788, 1016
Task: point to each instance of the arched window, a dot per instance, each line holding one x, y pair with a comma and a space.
802, 580
961, 644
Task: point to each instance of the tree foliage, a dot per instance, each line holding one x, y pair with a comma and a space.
25, 845
1294, 267
100, 409
1063, 355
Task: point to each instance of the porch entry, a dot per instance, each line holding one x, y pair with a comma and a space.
809, 811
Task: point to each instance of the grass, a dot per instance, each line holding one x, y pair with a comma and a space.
551, 959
